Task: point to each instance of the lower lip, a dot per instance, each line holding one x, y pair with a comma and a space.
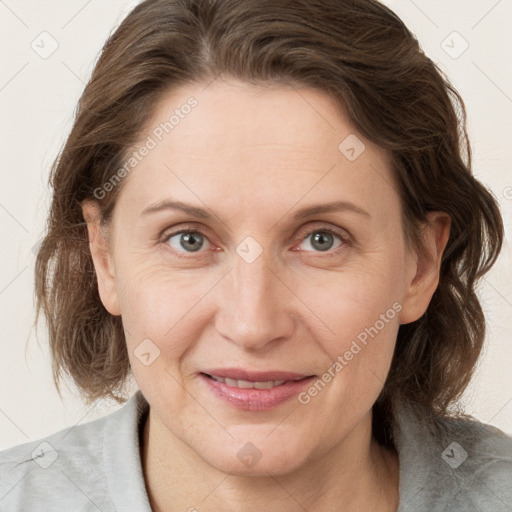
255, 399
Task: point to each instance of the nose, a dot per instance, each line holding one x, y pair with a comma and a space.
254, 307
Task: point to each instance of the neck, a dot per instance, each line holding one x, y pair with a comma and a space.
358, 474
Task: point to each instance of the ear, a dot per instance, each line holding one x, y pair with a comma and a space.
101, 256
423, 276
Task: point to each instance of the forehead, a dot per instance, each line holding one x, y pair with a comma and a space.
277, 117
262, 143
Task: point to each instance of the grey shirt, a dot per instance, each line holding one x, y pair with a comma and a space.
453, 465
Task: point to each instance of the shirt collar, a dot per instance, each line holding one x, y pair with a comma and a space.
124, 474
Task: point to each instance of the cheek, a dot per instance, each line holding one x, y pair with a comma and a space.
156, 307
359, 311
354, 303
157, 304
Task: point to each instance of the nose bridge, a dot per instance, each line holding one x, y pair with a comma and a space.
253, 309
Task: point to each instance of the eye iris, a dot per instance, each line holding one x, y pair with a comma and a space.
190, 238
320, 238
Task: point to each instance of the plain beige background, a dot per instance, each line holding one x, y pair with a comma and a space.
48, 50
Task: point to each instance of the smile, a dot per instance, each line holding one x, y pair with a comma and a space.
247, 384
264, 391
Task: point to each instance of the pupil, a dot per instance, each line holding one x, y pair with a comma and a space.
190, 238
321, 238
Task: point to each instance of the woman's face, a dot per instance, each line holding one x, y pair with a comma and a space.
255, 277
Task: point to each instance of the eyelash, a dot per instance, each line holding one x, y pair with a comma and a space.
324, 229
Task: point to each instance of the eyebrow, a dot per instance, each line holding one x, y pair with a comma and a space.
336, 206
200, 213
308, 211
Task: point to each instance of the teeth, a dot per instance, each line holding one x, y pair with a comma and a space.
247, 384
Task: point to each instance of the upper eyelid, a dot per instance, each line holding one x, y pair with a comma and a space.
338, 231
185, 228
203, 230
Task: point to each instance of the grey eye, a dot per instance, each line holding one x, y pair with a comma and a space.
322, 240
190, 241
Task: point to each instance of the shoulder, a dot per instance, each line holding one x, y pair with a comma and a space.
66, 470
65, 466
457, 463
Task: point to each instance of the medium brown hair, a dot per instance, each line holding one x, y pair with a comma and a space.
362, 55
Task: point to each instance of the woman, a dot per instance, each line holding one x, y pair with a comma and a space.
217, 147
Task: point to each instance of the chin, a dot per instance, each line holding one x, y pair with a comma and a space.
248, 458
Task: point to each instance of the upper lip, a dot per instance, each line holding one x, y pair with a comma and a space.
251, 376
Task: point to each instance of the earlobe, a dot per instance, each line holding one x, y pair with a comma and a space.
102, 258
425, 269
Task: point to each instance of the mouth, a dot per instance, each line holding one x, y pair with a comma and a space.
254, 391
247, 384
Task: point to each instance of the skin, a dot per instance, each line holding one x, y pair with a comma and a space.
253, 157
